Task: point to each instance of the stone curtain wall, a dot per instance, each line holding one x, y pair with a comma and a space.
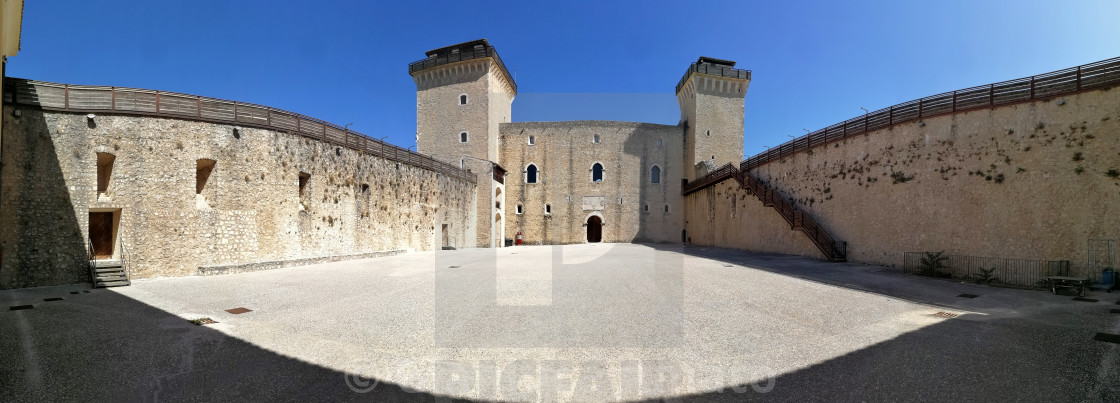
249, 211
564, 152
1029, 181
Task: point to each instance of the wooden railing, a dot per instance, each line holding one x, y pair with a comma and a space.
797, 219
132, 101
1102, 74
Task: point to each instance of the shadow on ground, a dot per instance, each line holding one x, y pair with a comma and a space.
137, 352
1016, 345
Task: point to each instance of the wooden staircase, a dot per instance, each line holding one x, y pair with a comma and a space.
833, 250
109, 272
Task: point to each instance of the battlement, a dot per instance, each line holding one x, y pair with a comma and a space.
715, 67
476, 49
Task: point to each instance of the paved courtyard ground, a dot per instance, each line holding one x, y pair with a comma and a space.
580, 322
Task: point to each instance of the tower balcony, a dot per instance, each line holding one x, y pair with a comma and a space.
715, 67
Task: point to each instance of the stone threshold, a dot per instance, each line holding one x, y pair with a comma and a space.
219, 269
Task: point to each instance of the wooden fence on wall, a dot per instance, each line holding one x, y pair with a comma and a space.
133, 101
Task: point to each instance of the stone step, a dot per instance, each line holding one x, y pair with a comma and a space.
111, 284
106, 263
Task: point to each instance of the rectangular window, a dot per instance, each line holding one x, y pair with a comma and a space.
304, 194
104, 172
202, 170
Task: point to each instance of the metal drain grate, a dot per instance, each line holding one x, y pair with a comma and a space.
1114, 311
1085, 299
203, 321
452, 267
53, 299
968, 295
946, 315
238, 311
1107, 338
21, 307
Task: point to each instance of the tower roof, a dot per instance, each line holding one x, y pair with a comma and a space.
476, 49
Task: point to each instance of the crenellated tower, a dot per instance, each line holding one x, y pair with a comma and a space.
711, 96
463, 92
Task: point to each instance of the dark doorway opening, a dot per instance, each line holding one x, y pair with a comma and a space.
102, 225
446, 238
594, 229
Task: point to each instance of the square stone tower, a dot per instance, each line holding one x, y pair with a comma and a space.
711, 96
463, 92
462, 88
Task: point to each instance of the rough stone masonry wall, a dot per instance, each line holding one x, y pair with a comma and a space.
1029, 181
252, 209
564, 152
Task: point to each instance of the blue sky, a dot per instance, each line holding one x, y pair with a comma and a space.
813, 63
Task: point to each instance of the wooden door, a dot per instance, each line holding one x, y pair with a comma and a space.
594, 229
101, 234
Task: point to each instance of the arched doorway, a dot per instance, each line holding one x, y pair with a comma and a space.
594, 229
498, 230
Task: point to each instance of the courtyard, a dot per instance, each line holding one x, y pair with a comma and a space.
594, 322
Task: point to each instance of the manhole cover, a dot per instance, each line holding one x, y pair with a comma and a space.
238, 311
52, 299
22, 307
946, 315
1084, 299
968, 295
203, 321
1107, 338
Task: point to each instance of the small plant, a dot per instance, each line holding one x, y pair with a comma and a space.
932, 263
1020, 170
1078, 157
1079, 170
178, 145
1040, 126
1027, 148
985, 276
999, 178
899, 177
1113, 173
1007, 160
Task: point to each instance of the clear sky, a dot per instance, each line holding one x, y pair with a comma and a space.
813, 63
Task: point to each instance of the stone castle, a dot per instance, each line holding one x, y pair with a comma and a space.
581, 181
106, 184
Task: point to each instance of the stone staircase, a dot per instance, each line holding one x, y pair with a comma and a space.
108, 273
797, 219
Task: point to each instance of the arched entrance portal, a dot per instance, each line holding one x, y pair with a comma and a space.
594, 229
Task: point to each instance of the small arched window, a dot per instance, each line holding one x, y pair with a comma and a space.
659, 142
595, 139
548, 209
655, 174
463, 137
532, 140
462, 99
531, 174
597, 172
518, 209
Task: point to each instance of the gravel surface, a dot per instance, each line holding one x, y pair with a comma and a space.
578, 322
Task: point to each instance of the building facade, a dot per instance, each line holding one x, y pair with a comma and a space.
576, 181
